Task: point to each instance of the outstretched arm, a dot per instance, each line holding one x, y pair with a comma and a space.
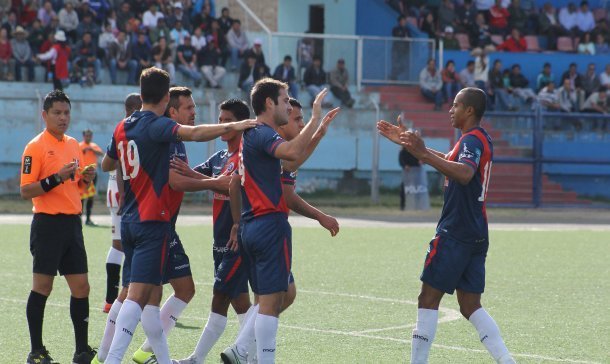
204, 133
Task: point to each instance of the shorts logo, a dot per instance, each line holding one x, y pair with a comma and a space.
127, 331
27, 164
268, 350
182, 266
423, 338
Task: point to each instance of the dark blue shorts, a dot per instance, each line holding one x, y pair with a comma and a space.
146, 248
178, 264
230, 272
267, 246
451, 264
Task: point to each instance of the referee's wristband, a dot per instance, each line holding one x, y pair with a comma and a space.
50, 182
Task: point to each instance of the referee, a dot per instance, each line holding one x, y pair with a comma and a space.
52, 175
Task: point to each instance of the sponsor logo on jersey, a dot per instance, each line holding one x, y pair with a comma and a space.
27, 164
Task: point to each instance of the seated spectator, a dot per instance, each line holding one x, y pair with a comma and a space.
238, 44
305, 52
187, 61
160, 31
574, 77
11, 22
247, 74
209, 61
429, 26
123, 15
36, 37
29, 13
85, 55
218, 41
162, 58
59, 55
120, 57
106, 38
604, 77
519, 84
501, 96
431, 84
548, 97
481, 67
481, 37
285, 72
198, 40
514, 42
466, 16
68, 21
46, 13
257, 51
466, 76
111, 19
138, 7
315, 79
590, 81
450, 42
568, 97
84, 9
597, 102
601, 47
549, 25
451, 81
22, 54
517, 18
544, 77
498, 19
87, 26
339, 83
203, 20
586, 45
584, 18
225, 20
140, 52
262, 72
100, 9
568, 19
150, 17
179, 15
178, 34
446, 15
601, 28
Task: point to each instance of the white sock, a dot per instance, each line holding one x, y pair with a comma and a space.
423, 335
114, 256
266, 331
102, 351
489, 333
171, 310
126, 324
241, 317
151, 323
245, 339
211, 333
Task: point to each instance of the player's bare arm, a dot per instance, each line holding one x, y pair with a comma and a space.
235, 203
302, 207
453, 170
181, 167
109, 164
204, 133
35, 189
179, 182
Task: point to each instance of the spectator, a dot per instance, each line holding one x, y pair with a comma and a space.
604, 77
160, 31
53, 26
498, 18
449, 40
11, 22
568, 19
203, 20
46, 13
446, 14
140, 52
162, 58
451, 81
178, 34
481, 67
584, 18
400, 49
597, 102
178, 15
150, 17
602, 28
7, 63
210, 65
106, 39
36, 37
519, 84
85, 55
22, 54
218, 41
238, 44
429, 26
514, 42
484, 5
138, 7
339, 83
574, 77
590, 81
481, 37
87, 26
123, 15
58, 54
225, 20
85, 9
257, 51
467, 75
315, 78
285, 73
497, 90
100, 10
247, 74
111, 19
198, 40
414, 184
548, 97
68, 21
544, 77
466, 17
431, 84
568, 97
550, 26
601, 47
305, 52
120, 57
29, 13
586, 45
187, 61
517, 18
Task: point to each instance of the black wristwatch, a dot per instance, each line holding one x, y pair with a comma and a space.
58, 178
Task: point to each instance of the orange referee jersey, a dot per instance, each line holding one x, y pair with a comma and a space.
43, 156
89, 156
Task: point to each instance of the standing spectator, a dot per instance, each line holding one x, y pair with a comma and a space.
209, 62
586, 45
517, 18
7, 63
178, 34
481, 37
446, 15
198, 40
238, 44
584, 18
315, 78
36, 37
590, 81
160, 31
247, 74
179, 15
466, 16
150, 17
568, 97
46, 13
450, 42
498, 18
429, 26
601, 47
305, 52
120, 58
466, 76
218, 41
604, 77
481, 68
225, 20
87, 26
123, 15
568, 19
187, 61
22, 53
203, 20
574, 77
285, 73
431, 84
548, 97
414, 184
85, 55
514, 42
58, 54
549, 25
497, 89
544, 77
339, 83
400, 49
162, 58
597, 102
68, 21
140, 52
519, 84
451, 81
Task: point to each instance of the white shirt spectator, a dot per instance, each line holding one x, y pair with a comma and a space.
567, 99
566, 19
585, 21
546, 97
177, 36
467, 78
198, 42
594, 99
481, 73
238, 41
68, 21
106, 38
586, 48
429, 82
604, 78
149, 19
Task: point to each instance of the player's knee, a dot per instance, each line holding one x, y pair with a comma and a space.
427, 301
80, 290
468, 309
185, 293
44, 290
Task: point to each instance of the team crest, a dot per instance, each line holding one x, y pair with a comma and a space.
231, 167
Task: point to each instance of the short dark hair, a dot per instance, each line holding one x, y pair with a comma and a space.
295, 103
470, 63
400, 18
547, 64
237, 107
317, 58
264, 88
154, 85
236, 21
174, 97
133, 103
475, 98
515, 66
87, 131
55, 96
449, 62
287, 58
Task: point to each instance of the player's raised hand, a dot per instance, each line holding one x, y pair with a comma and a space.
391, 131
414, 143
232, 243
182, 168
242, 125
317, 104
328, 118
329, 223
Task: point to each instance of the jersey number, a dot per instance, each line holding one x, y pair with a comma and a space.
485, 181
132, 157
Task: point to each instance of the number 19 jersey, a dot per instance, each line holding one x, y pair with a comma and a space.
141, 144
464, 217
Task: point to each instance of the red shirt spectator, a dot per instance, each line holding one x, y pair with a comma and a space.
498, 16
514, 43
6, 52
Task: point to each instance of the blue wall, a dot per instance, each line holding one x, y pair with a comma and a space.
374, 17
339, 16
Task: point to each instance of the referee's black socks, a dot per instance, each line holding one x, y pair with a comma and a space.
79, 312
35, 314
113, 274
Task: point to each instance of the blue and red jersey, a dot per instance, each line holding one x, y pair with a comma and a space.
176, 150
141, 144
260, 173
289, 179
221, 163
464, 217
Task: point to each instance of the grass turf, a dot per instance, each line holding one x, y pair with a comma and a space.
548, 291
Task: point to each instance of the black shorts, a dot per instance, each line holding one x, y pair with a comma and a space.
56, 243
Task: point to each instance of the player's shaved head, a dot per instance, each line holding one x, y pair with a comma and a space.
133, 103
475, 98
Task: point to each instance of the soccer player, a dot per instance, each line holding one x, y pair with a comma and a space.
90, 152
456, 256
114, 198
141, 145
51, 175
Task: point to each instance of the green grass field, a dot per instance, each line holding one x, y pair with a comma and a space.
548, 291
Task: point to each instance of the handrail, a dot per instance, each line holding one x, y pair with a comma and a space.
258, 21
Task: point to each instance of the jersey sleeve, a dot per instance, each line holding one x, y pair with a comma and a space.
269, 140
205, 168
289, 178
31, 164
178, 150
163, 130
111, 149
470, 152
